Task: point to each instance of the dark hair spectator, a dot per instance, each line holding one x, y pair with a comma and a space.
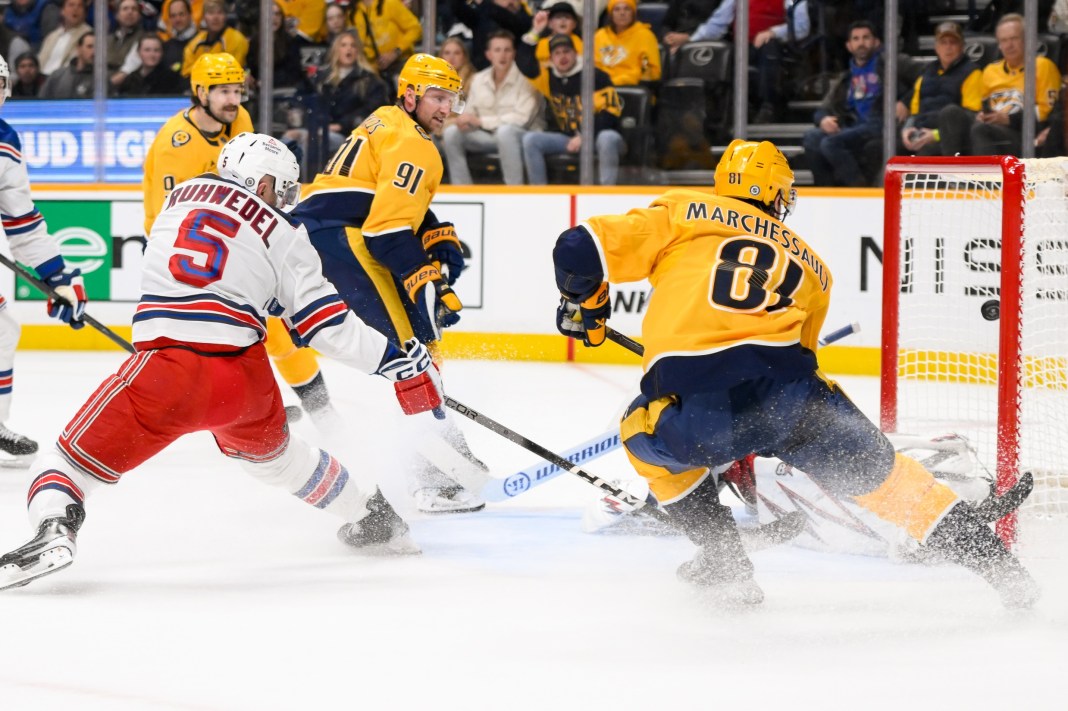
180, 29
60, 45
683, 18
285, 49
74, 81
28, 79
152, 77
123, 42
336, 21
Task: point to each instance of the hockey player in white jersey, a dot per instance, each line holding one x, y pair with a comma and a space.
31, 244
220, 258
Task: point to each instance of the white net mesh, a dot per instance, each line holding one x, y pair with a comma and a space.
948, 354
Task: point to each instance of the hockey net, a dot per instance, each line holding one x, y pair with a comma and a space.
975, 314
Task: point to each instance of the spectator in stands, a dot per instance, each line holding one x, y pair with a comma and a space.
350, 87
851, 114
60, 46
122, 52
180, 29
28, 77
196, 11
337, 21
29, 18
214, 38
625, 49
152, 77
768, 34
997, 128
501, 107
388, 30
74, 81
557, 19
561, 85
454, 51
285, 49
11, 43
683, 18
950, 84
304, 18
484, 17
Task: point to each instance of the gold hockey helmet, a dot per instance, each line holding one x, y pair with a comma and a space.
757, 171
425, 71
214, 70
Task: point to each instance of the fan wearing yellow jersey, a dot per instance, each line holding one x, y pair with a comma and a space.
731, 368
368, 214
187, 146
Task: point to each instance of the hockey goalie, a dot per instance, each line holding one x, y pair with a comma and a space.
770, 487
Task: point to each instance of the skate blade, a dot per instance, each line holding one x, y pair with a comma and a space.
21, 461
51, 561
390, 549
735, 595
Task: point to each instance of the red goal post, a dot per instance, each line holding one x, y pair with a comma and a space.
949, 364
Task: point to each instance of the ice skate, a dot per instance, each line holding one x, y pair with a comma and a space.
730, 585
447, 499
967, 540
15, 450
51, 550
381, 532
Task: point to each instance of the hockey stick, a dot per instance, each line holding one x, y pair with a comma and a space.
540, 472
782, 529
634, 347
543, 471
51, 293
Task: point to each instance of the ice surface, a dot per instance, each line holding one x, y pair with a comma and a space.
197, 587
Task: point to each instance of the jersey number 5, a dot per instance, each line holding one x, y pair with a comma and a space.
200, 232
741, 275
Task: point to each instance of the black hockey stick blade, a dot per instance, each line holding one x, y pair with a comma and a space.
51, 293
995, 508
626, 341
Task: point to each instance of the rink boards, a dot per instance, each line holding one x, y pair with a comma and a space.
508, 289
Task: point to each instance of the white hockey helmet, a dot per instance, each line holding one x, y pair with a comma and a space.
247, 157
5, 74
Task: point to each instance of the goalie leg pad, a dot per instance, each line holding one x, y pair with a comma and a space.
911, 498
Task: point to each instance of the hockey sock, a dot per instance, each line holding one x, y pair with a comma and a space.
54, 484
910, 497
9, 338
314, 477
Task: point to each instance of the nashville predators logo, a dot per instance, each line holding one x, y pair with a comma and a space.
180, 138
422, 132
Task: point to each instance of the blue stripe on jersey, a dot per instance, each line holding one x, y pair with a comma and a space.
148, 315
153, 299
313, 307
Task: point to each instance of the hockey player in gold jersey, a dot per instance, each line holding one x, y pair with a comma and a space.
187, 146
393, 262
731, 368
